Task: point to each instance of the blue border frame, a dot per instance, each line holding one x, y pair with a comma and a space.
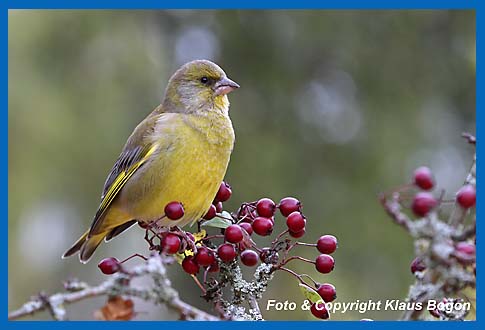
247, 4
233, 4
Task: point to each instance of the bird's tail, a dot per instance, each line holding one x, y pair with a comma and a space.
86, 246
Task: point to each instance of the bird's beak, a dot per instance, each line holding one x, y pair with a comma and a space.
225, 86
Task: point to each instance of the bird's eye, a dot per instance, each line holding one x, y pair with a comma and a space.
204, 80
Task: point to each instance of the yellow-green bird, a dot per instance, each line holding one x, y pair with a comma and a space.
179, 152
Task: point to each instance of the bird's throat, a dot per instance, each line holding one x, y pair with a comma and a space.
221, 103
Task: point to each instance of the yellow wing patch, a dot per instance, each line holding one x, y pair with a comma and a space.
118, 184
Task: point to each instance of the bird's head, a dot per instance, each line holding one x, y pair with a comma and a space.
196, 86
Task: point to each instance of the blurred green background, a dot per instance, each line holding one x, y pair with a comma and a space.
334, 107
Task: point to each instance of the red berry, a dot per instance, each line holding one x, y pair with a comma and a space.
423, 178
224, 192
465, 253
423, 202
324, 263
174, 210
327, 292
204, 256
247, 227
466, 248
226, 252
233, 234
417, 265
190, 266
296, 222
262, 226
327, 244
297, 234
265, 207
109, 266
170, 243
319, 310
249, 258
218, 206
211, 213
288, 205
466, 196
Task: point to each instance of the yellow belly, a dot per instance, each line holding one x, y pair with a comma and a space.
190, 171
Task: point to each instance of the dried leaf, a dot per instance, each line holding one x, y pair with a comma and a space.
116, 309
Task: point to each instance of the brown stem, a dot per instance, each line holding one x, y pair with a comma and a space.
294, 274
278, 238
196, 280
306, 244
297, 258
133, 256
211, 237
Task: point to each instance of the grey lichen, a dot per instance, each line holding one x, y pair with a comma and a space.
160, 292
244, 294
445, 274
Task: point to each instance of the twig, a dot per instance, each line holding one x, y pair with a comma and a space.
470, 138
393, 209
119, 284
253, 304
296, 258
467, 233
446, 272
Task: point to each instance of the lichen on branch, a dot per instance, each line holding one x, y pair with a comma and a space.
444, 266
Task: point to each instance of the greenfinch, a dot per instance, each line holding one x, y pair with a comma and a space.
179, 152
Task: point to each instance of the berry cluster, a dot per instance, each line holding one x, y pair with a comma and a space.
217, 253
424, 202
444, 236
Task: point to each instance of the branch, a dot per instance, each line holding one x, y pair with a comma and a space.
253, 304
118, 284
393, 209
446, 271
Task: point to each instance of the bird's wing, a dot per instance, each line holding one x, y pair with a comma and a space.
135, 153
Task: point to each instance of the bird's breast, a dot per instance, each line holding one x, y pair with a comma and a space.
189, 166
